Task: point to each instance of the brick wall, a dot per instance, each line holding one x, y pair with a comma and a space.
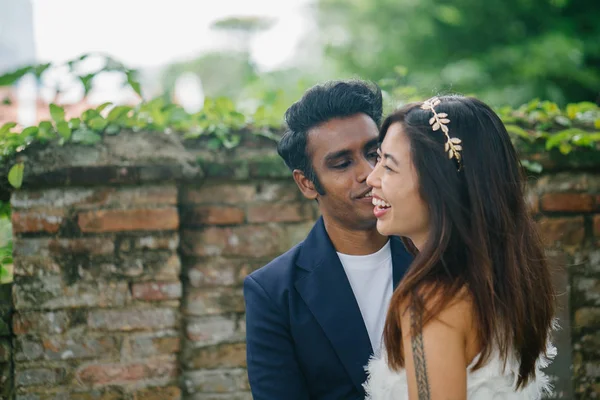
130, 256
228, 229
567, 206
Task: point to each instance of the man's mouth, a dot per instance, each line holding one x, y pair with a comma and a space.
366, 195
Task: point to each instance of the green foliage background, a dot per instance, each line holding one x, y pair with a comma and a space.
504, 51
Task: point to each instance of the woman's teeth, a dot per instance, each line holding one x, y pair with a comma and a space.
381, 203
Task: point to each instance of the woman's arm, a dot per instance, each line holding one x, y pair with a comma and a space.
436, 355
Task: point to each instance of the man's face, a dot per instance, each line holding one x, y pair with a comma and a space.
343, 152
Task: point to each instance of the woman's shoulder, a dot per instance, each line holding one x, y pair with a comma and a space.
454, 317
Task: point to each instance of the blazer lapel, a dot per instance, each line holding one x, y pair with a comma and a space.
328, 294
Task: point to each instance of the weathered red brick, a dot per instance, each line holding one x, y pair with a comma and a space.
39, 376
37, 221
220, 271
157, 219
568, 231
227, 193
213, 215
52, 292
568, 202
47, 247
158, 241
29, 348
250, 241
278, 192
280, 212
152, 291
87, 198
5, 350
158, 393
110, 393
566, 181
136, 346
219, 381
533, 202
45, 322
133, 319
226, 355
587, 317
35, 266
214, 301
212, 329
151, 266
110, 374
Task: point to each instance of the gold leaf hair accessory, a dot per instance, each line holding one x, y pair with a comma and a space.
440, 121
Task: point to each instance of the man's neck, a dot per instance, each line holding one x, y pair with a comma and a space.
354, 242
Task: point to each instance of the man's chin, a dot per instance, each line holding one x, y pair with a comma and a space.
367, 222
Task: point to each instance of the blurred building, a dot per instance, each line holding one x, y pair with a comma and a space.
17, 48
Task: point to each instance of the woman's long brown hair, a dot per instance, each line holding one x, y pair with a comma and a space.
482, 237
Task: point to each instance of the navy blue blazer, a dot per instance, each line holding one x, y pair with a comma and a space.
306, 338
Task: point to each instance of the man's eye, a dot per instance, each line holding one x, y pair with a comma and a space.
342, 165
374, 156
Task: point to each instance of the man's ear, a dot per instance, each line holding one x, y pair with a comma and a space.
307, 187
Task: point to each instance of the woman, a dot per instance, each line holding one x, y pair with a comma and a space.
472, 317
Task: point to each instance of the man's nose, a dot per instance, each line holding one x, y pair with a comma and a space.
373, 178
365, 169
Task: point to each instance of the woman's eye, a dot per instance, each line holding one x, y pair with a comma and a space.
387, 168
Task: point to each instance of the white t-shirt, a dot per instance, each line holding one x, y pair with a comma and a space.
371, 280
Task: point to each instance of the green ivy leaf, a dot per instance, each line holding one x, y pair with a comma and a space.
214, 144
86, 81
520, 132
97, 124
562, 120
63, 129
118, 113
532, 166
45, 132
11, 78
103, 106
565, 148
85, 136
30, 131
90, 114
132, 81
7, 127
40, 69
15, 175
57, 113
74, 123
112, 129
597, 123
231, 142
5, 276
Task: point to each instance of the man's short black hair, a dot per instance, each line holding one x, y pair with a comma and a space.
321, 103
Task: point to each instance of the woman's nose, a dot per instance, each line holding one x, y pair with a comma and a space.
373, 178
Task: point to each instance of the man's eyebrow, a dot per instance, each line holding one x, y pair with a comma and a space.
374, 143
337, 154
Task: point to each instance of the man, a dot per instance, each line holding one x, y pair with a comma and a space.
315, 314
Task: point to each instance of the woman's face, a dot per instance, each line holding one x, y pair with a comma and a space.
399, 208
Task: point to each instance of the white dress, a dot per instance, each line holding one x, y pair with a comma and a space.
490, 382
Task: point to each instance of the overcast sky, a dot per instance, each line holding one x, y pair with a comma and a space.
146, 33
